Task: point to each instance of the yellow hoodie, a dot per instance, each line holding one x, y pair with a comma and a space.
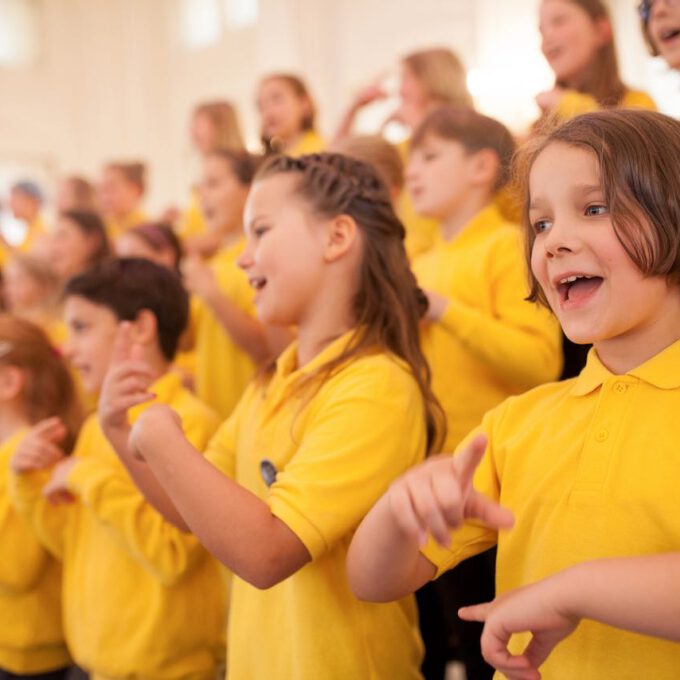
31, 636
142, 599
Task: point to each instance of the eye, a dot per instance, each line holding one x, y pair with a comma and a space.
595, 210
260, 231
540, 226
429, 156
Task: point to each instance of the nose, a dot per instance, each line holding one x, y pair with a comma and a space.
245, 259
560, 239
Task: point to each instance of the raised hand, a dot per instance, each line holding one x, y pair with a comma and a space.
438, 496
198, 277
159, 425
126, 383
56, 490
535, 609
39, 449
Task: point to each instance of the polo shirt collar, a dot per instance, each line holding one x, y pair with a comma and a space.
662, 371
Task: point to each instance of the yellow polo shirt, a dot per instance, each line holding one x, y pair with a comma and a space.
34, 231
310, 142
490, 343
334, 455
590, 469
31, 635
223, 369
115, 227
141, 598
575, 103
192, 222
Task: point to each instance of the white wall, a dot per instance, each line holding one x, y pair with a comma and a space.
115, 81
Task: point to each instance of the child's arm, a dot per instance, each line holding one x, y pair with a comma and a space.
639, 594
248, 333
384, 561
231, 522
37, 452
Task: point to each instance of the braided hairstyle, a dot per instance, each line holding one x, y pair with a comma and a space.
388, 304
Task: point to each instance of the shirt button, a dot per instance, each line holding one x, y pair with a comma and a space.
601, 435
620, 387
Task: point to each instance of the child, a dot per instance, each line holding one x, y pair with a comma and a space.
578, 43
78, 242
315, 440
26, 201
568, 458
288, 115
661, 28
34, 385
483, 341
429, 79
141, 599
214, 126
227, 338
121, 192
74, 193
31, 290
155, 241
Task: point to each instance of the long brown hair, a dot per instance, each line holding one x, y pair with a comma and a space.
224, 119
637, 154
602, 79
388, 304
49, 389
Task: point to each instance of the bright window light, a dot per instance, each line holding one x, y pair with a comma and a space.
19, 43
200, 23
240, 13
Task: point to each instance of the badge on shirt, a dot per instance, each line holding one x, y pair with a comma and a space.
268, 471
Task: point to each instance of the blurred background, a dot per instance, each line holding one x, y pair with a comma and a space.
84, 81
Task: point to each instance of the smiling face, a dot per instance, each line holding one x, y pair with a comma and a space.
92, 331
281, 109
285, 252
596, 291
570, 39
663, 29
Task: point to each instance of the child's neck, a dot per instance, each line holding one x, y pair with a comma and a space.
12, 419
451, 225
623, 354
315, 334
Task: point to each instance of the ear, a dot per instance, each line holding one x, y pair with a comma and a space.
12, 381
144, 329
341, 235
484, 166
603, 30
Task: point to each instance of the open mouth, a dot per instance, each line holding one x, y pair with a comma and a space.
578, 287
257, 282
668, 35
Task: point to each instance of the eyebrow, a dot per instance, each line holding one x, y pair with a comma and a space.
587, 189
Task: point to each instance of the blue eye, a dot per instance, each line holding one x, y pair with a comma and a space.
541, 225
595, 210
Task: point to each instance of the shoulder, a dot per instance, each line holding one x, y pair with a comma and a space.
638, 99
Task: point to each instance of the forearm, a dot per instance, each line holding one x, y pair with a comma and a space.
385, 564
231, 522
639, 594
520, 354
244, 330
145, 480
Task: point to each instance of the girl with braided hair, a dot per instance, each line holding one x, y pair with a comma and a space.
315, 439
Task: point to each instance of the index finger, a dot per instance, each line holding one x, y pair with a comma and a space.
49, 428
469, 458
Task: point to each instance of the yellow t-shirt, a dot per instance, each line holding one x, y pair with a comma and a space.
192, 222
490, 343
421, 232
575, 103
115, 227
335, 454
141, 598
309, 142
34, 231
223, 369
589, 467
31, 635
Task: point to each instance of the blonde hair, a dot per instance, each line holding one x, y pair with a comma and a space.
375, 151
133, 173
442, 75
222, 115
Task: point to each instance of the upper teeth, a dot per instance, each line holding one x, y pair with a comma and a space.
571, 279
257, 282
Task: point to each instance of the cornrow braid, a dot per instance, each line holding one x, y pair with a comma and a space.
388, 304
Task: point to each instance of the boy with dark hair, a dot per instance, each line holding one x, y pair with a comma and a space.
141, 598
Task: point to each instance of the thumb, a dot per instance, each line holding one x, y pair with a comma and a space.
122, 346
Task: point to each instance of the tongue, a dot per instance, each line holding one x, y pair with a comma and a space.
583, 288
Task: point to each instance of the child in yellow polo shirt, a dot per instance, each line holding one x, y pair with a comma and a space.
585, 469
141, 598
315, 439
120, 195
287, 112
35, 384
228, 340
